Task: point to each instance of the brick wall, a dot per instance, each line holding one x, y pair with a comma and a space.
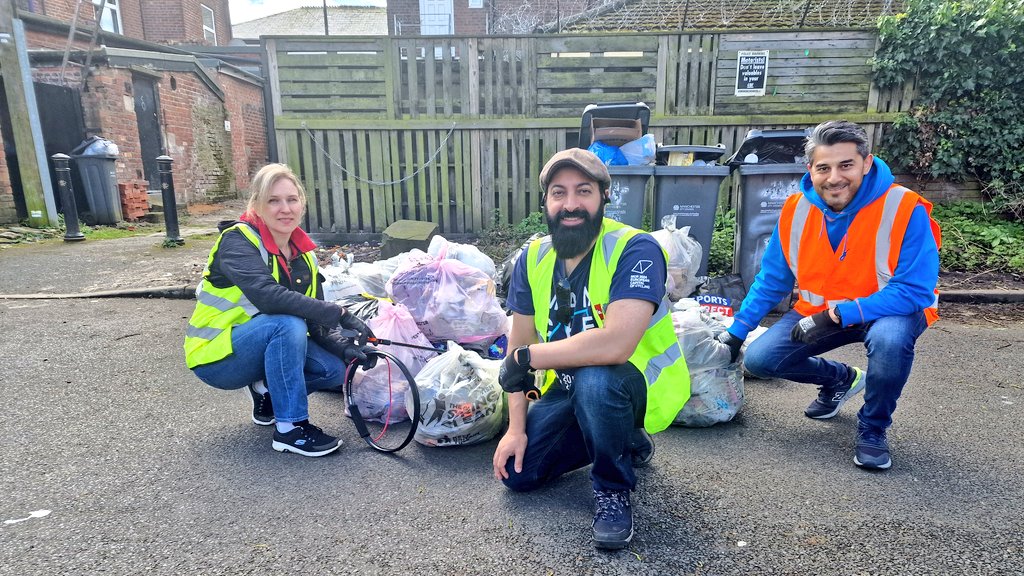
193, 123
8, 213
162, 21
470, 21
244, 102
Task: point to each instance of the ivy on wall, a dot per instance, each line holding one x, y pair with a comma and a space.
967, 59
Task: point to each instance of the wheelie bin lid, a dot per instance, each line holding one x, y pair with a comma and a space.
621, 118
771, 147
703, 154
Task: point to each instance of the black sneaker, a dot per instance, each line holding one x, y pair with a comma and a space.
307, 440
613, 519
830, 400
872, 450
262, 409
641, 448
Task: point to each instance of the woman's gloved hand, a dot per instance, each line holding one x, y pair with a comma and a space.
349, 321
360, 355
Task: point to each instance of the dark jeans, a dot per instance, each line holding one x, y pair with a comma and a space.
889, 342
275, 348
592, 423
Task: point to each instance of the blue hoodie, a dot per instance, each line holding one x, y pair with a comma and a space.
910, 290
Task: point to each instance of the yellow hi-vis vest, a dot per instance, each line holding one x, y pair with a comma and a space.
208, 336
658, 356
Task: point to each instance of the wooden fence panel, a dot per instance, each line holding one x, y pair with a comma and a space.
328, 77
575, 71
808, 73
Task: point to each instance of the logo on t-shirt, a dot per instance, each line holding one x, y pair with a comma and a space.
642, 266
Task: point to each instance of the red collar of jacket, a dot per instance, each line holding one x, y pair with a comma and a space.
302, 242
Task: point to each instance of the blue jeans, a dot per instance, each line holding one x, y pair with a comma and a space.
592, 423
276, 349
889, 342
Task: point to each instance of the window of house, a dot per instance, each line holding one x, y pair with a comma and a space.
110, 20
209, 25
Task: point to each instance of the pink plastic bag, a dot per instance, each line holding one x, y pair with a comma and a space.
449, 299
371, 393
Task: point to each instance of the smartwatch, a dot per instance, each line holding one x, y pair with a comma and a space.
523, 356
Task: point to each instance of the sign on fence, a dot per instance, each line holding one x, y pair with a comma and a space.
751, 72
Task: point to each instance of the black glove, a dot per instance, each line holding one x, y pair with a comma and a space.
361, 355
811, 328
515, 374
349, 321
733, 343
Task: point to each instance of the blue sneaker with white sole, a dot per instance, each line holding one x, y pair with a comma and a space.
872, 450
830, 400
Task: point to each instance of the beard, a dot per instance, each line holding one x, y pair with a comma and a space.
573, 241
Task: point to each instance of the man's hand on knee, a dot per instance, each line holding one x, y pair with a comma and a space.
811, 328
511, 445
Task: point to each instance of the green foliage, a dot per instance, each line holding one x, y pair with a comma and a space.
976, 239
722, 244
965, 58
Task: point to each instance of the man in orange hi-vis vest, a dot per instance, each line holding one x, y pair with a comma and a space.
864, 253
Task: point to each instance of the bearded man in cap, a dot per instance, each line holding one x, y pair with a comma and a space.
590, 312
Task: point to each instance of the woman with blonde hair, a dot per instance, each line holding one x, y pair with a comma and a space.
261, 322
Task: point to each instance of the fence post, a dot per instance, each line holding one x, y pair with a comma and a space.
163, 164
67, 198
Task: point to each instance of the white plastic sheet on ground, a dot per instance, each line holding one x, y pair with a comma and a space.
460, 400
716, 386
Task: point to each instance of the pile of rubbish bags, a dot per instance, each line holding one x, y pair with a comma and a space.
451, 298
444, 299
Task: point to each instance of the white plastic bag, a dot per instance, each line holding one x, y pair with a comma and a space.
338, 282
467, 253
684, 256
373, 276
381, 392
716, 385
640, 152
449, 299
460, 400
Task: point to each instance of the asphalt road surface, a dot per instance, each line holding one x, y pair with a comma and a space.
145, 470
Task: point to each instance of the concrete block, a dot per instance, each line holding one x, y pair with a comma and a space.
404, 235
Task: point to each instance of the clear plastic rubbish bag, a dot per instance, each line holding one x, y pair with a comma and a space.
716, 385
460, 400
684, 256
449, 299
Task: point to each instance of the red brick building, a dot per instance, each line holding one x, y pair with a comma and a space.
147, 90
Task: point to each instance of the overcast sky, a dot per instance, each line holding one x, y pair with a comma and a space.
245, 10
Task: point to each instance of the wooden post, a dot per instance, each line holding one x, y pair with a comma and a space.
28, 137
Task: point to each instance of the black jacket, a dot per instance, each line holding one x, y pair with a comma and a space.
239, 263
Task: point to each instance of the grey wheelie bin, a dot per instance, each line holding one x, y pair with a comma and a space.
96, 160
615, 124
688, 195
770, 164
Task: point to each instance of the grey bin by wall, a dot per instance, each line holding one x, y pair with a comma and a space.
628, 194
763, 190
688, 196
96, 160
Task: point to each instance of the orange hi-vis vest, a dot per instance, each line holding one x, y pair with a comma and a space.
866, 260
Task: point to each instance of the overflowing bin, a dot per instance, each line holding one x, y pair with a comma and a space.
686, 192
615, 124
96, 160
770, 164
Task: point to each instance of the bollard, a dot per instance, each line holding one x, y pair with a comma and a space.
67, 198
163, 164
